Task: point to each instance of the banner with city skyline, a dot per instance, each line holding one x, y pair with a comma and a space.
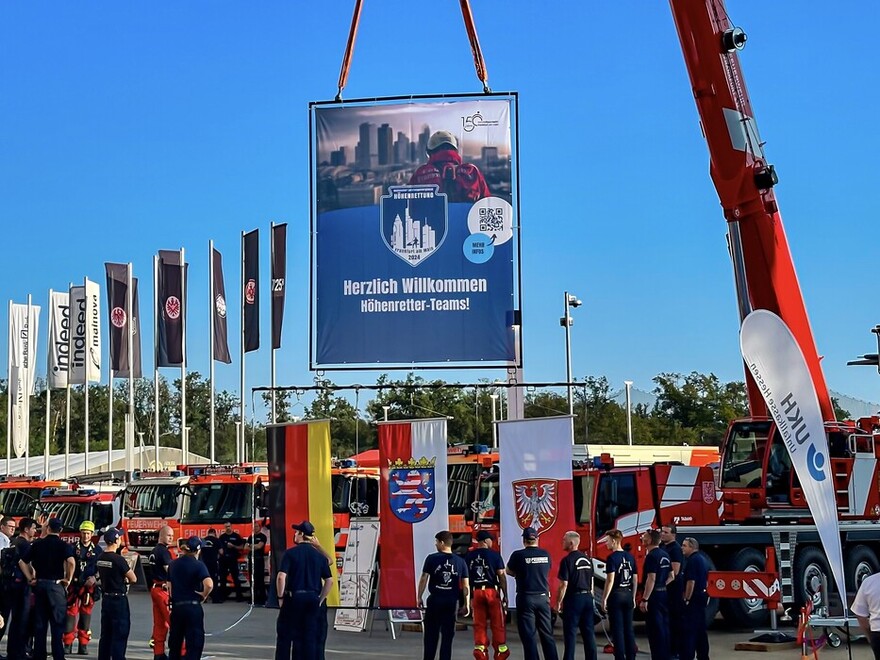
415, 233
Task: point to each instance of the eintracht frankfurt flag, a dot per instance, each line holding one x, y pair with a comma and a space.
218, 305
171, 311
85, 334
117, 310
23, 332
299, 471
534, 476
414, 505
773, 357
250, 290
58, 358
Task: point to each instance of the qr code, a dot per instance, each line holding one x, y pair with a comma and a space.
491, 219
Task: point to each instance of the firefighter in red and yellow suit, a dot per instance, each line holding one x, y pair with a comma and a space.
81, 592
488, 597
160, 558
462, 182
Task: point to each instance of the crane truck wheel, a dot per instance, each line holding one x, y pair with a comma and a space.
861, 562
810, 566
745, 612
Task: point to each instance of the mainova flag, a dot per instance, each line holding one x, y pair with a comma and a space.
535, 481
413, 504
774, 358
85, 335
299, 470
23, 331
58, 363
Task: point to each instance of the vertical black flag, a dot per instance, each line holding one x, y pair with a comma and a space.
117, 305
251, 291
279, 271
221, 343
170, 310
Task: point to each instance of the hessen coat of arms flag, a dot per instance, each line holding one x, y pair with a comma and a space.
411, 489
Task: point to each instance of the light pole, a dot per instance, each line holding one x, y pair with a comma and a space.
566, 322
385, 410
494, 398
629, 419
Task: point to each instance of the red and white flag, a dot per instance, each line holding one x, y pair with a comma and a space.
414, 505
535, 482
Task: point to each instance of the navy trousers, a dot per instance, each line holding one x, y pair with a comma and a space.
577, 615
297, 629
533, 622
187, 623
657, 621
115, 627
620, 620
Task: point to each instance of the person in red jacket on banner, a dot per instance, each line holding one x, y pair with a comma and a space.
489, 597
81, 592
462, 182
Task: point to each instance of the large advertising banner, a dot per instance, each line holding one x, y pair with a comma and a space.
415, 232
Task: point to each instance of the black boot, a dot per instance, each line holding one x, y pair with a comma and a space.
68, 648
83, 649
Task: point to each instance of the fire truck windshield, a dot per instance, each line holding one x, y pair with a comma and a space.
151, 500
486, 506
583, 485
743, 458
617, 497
460, 486
364, 501
19, 502
72, 514
219, 503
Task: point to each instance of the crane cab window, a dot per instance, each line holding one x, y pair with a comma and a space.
744, 455
616, 498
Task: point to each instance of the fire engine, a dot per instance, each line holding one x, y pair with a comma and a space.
217, 494
20, 494
153, 499
100, 503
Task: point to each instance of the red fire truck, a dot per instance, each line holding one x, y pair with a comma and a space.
20, 494
100, 503
153, 499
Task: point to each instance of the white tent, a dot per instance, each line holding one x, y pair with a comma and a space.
144, 459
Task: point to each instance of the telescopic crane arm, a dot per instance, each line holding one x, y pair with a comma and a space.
763, 269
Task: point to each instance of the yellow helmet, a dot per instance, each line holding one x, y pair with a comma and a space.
87, 526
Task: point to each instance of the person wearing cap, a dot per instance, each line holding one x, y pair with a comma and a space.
489, 588
462, 182
575, 598
654, 603
303, 582
231, 545
530, 567
446, 577
81, 593
48, 566
189, 587
160, 560
618, 597
17, 585
115, 575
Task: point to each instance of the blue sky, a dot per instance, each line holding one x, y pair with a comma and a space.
131, 127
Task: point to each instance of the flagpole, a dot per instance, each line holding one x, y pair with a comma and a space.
239, 441
48, 389
27, 389
129, 441
156, 356
67, 397
272, 312
211, 313
86, 369
9, 397
183, 355
110, 416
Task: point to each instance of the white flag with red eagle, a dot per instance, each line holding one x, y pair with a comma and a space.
535, 483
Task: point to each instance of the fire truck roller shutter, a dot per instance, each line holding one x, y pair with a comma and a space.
861, 561
745, 612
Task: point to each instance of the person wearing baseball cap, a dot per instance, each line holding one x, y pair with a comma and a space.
530, 567
303, 583
190, 584
115, 575
489, 589
460, 181
48, 566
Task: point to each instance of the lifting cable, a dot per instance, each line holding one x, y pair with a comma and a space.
469, 25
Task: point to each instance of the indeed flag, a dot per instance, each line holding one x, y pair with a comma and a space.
299, 471
774, 358
251, 290
534, 475
218, 305
171, 310
85, 335
23, 332
279, 271
58, 363
414, 505
117, 309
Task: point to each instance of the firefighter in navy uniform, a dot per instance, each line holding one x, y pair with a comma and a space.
81, 593
160, 559
575, 598
654, 603
255, 548
210, 556
115, 575
674, 589
618, 598
696, 574
231, 544
190, 586
530, 566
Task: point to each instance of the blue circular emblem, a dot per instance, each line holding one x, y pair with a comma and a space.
478, 248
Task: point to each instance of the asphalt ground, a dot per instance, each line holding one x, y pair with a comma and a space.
254, 638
